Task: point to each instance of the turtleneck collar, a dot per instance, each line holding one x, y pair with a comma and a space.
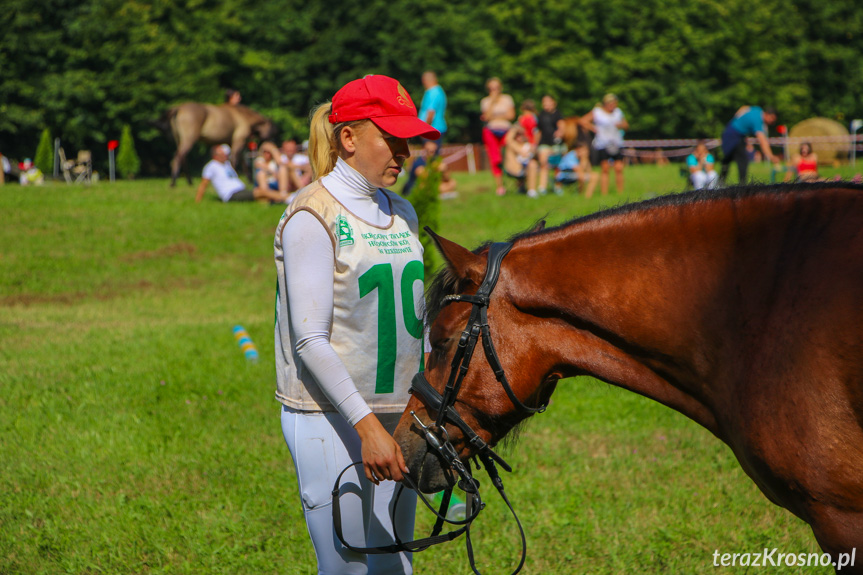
349, 180
359, 196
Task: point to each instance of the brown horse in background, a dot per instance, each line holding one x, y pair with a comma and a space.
740, 308
574, 133
222, 124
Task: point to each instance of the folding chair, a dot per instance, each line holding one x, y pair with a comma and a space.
79, 170
83, 168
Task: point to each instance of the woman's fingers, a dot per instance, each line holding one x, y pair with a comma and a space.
382, 456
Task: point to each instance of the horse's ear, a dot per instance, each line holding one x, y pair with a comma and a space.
462, 261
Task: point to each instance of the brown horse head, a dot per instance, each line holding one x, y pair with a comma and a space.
265, 129
481, 402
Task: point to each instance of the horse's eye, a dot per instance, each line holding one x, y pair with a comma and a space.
439, 347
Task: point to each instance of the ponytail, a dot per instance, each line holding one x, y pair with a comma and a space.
324, 144
323, 150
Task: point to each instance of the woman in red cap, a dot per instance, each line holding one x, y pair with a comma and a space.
349, 329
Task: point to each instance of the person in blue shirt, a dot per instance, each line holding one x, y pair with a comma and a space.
570, 170
748, 121
433, 105
700, 163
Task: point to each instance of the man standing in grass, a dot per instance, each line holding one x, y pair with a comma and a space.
433, 106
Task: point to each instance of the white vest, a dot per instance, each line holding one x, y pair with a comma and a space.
377, 326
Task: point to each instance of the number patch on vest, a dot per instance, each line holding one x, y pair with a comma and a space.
380, 277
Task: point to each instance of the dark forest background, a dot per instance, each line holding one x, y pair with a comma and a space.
85, 68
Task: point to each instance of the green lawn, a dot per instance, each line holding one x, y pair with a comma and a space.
136, 438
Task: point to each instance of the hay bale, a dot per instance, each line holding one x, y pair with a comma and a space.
828, 152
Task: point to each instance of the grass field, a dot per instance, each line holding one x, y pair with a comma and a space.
136, 438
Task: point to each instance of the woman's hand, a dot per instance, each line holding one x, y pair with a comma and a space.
382, 456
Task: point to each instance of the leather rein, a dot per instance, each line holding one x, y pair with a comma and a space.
437, 437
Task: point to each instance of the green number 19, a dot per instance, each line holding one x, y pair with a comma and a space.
380, 277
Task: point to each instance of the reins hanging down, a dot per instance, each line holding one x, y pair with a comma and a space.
437, 437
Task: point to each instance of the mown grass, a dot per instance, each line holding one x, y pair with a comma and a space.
135, 437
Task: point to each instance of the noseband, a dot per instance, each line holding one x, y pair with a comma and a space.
438, 438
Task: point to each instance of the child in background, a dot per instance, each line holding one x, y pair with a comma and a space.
527, 120
519, 161
571, 170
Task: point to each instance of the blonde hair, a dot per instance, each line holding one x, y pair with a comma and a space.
324, 142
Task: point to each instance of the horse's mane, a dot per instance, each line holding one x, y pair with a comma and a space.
693, 197
447, 283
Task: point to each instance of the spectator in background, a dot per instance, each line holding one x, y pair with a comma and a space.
748, 121
805, 163
572, 169
550, 134
421, 164
607, 122
269, 174
433, 106
232, 97
519, 161
527, 120
297, 164
497, 112
700, 163
30, 174
5, 168
228, 185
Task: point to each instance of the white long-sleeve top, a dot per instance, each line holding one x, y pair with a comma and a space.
309, 258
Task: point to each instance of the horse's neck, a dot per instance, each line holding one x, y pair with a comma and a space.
244, 112
649, 294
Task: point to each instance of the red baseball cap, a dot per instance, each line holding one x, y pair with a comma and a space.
384, 101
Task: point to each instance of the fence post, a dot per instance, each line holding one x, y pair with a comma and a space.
855, 125
471, 161
56, 158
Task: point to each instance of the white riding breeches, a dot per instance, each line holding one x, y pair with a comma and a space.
322, 445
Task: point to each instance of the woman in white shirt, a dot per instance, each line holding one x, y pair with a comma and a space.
349, 327
269, 174
608, 123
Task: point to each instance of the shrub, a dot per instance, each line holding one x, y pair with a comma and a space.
44, 158
128, 162
426, 200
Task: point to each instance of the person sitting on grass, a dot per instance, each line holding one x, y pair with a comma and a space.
805, 163
30, 174
700, 163
572, 170
418, 169
519, 161
228, 185
297, 163
269, 174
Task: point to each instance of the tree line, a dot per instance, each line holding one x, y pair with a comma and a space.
681, 68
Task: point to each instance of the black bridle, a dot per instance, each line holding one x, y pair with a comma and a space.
437, 436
